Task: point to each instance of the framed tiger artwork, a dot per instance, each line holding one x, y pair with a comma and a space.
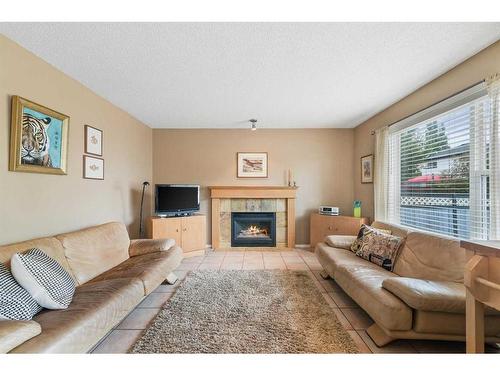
38, 138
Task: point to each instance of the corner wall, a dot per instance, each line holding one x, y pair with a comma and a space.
320, 159
471, 71
34, 205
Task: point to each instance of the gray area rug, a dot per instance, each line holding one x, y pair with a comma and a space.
246, 312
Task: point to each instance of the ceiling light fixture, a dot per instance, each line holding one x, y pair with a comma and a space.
254, 127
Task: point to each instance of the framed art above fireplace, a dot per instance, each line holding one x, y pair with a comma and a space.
252, 165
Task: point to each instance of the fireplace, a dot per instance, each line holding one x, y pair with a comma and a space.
226, 200
253, 229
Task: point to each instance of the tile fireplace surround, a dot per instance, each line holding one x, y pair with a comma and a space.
277, 199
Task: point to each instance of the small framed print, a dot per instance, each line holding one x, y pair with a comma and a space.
93, 141
367, 169
93, 168
252, 165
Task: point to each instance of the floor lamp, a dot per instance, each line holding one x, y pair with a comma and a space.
141, 229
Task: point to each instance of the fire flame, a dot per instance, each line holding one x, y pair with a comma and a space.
254, 230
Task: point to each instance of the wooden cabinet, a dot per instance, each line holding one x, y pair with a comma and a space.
326, 225
166, 228
193, 236
189, 232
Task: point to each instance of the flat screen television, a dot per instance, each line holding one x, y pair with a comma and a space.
172, 200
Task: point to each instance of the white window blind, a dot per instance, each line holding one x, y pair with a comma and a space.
439, 167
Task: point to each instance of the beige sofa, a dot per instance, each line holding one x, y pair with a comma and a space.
113, 274
424, 298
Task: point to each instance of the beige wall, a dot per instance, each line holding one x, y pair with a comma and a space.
321, 161
478, 67
33, 205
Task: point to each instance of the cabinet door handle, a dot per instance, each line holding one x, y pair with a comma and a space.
177, 230
184, 230
330, 228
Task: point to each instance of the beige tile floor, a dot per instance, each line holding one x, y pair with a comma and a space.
352, 317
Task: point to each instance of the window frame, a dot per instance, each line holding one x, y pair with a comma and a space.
468, 96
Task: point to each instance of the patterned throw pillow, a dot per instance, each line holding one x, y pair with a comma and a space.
15, 302
378, 247
363, 231
45, 279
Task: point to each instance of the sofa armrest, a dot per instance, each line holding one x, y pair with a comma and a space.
14, 332
340, 241
428, 295
147, 246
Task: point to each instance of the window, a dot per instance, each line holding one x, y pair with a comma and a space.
438, 167
431, 164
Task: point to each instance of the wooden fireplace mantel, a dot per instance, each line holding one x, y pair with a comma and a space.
253, 192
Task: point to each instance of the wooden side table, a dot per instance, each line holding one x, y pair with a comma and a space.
482, 282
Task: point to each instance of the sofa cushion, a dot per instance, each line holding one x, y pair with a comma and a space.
330, 257
13, 333
96, 308
151, 268
45, 279
430, 257
95, 250
15, 302
49, 245
362, 281
427, 295
340, 241
445, 296
395, 230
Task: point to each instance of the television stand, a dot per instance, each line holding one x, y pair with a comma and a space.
180, 214
188, 231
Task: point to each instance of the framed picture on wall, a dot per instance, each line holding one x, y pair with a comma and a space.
38, 138
93, 168
252, 165
93, 141
367, 169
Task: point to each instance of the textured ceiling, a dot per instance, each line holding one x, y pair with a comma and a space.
287, 75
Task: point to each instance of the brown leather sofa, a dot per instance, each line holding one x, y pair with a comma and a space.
424, 298
113, 274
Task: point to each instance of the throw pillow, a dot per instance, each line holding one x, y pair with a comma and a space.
15, 302
45, 279
363, 231
380, 248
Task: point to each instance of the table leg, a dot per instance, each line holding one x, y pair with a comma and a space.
474, 324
